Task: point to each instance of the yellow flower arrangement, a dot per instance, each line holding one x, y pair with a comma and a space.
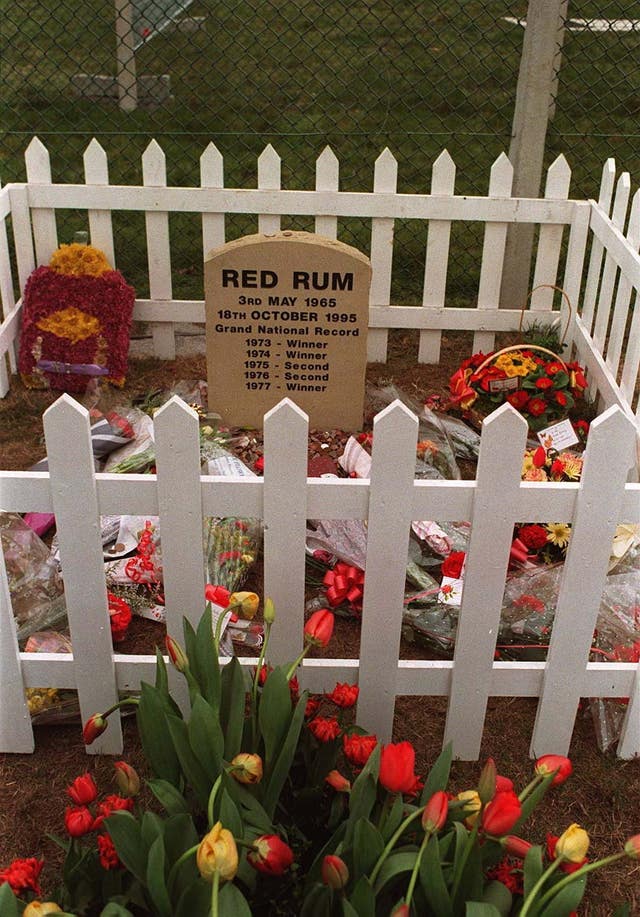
515, 364
76, 260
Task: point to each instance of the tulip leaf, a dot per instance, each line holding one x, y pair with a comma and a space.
191, 767
180, 835
395, 816
472, 880
156, 879
190, 647
394, 866
251, 810
361, 802
367, 846
567, 899
481, 909
274, 714
432, 880
232, 707
532, 868
348, 910
151, 827
331, 846
363, 898
497, 894
152, 729
196, 899
8, 901
229, 815
282, 766
162, 678
171, 799
126, 834
438, 777
205, 737
112, 909
317, 902
232, 902
531, 801
207, 661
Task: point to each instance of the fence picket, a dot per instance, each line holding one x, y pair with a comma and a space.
22, 239
43, 220
96, 172
16, 733
603, 309
495, 239
75, 504
550, 238
8, 299
395, 433
632, 356
502, 446
597, 248
574, 266
597, 509
269, 179
176, 432
327, 179
623, 293
385, 179
443, 176
629, 742
285, 520
154, 174
212, 176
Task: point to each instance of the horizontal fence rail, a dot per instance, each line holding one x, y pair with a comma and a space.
284, 499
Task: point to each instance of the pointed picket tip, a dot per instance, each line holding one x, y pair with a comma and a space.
606, 183
443, 174
327, 167
64, 406
395, 413
154, 164
505, 418
615, 423
386, 161
558, 178
212, 166
444, 162
175, 410
501, 176
95, 161
269, 154
284, 409
37, 160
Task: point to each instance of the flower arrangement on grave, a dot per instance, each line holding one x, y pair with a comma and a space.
76, 321
534, 381
272, 795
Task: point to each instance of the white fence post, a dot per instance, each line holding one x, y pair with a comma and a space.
395, 432
125, 56
96, 172
436, 263
549, 239
610, 270
623, 295
286, 429
43, 220
269, 179
212, 176
8, 299
16, 732
75, 504
597, 248
327, 179
598, 510
385, 179
154, 174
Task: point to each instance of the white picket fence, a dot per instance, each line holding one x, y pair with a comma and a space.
605, 334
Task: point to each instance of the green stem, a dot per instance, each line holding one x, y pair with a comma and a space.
457, 878
529, 787
391, 842
216, 636
416, 870
536, 888
131, 701
589, 867
212, 799
176, 866
254, 690
214, 894
295, 664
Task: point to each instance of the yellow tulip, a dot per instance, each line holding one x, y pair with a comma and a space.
472, 806
40, 908
573, 844
218, 853
247, 768
245, 604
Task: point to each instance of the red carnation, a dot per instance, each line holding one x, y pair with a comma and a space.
344, 695
453, 564
533, 537
357, 748
324, 728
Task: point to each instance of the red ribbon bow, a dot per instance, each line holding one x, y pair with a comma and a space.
344, 584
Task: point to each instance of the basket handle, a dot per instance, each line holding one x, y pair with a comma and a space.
549, 286
515, 347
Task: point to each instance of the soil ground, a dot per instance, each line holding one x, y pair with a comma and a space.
602, 795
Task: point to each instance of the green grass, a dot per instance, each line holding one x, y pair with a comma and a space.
359, 76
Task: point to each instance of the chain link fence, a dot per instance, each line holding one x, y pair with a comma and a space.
359, 76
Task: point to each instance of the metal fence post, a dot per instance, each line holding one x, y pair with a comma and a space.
537, 84
125, 56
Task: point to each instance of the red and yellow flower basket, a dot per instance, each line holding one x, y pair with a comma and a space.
76, 321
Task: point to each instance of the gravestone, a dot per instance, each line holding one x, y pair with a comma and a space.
287, 316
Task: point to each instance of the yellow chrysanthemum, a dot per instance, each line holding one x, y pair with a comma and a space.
514, 364
71, 323
558, 533
76, 260
571, 466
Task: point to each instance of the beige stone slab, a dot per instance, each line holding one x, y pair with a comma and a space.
287, 316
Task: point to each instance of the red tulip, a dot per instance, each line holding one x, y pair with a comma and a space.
270, 855
503, 784
217, 595
435, 812
127, 779
357, 748
402, 910
487, 784
319, 628
397, 764
632, 847
339, 783
93, 728
83, 790
22, 875
325, 729
177, 655
78, 820
334, 872
516, 846
548, 764
344, 695
501, 814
